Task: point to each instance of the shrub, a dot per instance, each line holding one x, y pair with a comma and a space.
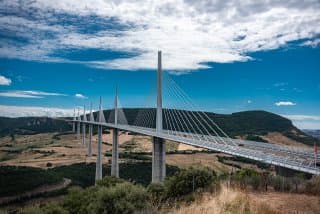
281, 184
313, 186
245, 177
110, 195
121, 198
49, 164
78, 200
156, 192
110, 181
187, 180
255, 181
51, 208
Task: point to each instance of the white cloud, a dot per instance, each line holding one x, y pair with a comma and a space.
313, 43
28, 94
25, 111
249, 101
4, 80
280, 84
80, 96
188, 32
285, 103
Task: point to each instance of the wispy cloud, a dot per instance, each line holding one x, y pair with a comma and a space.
285, 103
25, 111
4, 80
280, 84
313, 43
29, 94
188, 32
80, 96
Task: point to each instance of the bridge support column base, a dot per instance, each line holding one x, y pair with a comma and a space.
115, 154
158, 160
78, 130
90, 141
83, 134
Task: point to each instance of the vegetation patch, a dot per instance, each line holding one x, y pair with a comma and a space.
15, 180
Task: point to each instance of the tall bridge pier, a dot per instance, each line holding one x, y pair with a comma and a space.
115, 141
91, 119
159, 146
99, 149
84, 127
73, 123
78, 125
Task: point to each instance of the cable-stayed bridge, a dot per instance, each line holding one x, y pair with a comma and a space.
192, 127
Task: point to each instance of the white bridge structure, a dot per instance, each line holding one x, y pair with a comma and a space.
194, 128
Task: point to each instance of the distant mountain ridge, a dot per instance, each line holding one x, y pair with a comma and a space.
251, 124
312, 132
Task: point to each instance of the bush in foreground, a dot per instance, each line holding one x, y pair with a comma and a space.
115, 195
188, 180
110, 195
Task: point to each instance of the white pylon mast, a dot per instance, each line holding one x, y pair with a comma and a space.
116, 107
159, 95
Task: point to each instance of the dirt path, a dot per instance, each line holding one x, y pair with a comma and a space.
37, 191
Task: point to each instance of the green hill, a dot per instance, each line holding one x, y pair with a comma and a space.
31, 125
248, 123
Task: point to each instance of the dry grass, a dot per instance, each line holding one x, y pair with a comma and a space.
38, 150
278, 138
234, 201
204, 159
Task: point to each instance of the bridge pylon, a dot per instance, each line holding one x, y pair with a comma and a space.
115, 140
159, 146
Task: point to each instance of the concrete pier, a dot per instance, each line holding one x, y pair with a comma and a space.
78, 129
115, 153
99, 155
115, 140
74, 123
158, 144
90, 141
91, 119
83, 134
158, 160
99, 145
84, 127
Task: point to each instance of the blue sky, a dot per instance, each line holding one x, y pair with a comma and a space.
226, 57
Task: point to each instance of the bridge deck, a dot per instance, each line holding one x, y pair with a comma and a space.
300, 159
